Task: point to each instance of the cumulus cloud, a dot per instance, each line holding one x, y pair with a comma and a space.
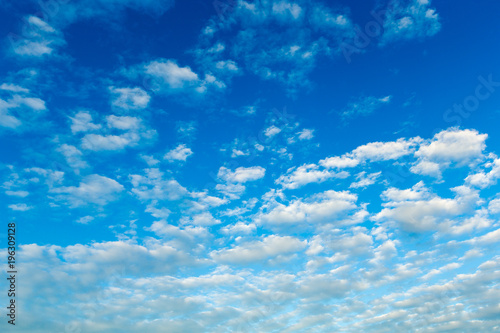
306, 134
132, 132
180, 153
82, 122
129, 98
383, 151
269, 247
19, 109
241, 174
326, 206
153, 186
165, 75
73, 156
38, 39
417, 210
305, 174
271, 131
93, 189
22, 207
449, 147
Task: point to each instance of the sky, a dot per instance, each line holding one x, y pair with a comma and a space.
251, 166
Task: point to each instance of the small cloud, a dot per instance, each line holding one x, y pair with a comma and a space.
85, 219
306, 134
271, 131
129, 98
364, 106
82, 122
180, 153
20, 207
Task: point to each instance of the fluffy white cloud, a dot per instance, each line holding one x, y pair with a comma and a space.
339, 162
451, 146
271, 131
180, 153
98, 142
174, 76
129, 98
486, 179
123, 123
305, 174
383, 151
239, 228
365, 180
93, 189
38, 39
306, 134
19, 109
22, 207
132, 127
269, 247
417, 210
241, 174
82, 122
327, 206
73, 156
152, 186
13, 88
202, 219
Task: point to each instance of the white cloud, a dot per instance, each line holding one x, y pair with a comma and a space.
21, 194
284, 53
20, 109
227, 65
271, 131
339, 162
494, 206
416, 210
365, 180
129, 98
174, 76
98, 142
73, 156
202, 219
306, 174
486, 179
409, 20
85, 219
152, 186
239, 228
93, 189
38, 39
231, 190
326, 206
383, 151
451, 146
364, 106
306, 134
20, 207
269, 247
123, 123
180, 153
13, 88
82, 122
241, 174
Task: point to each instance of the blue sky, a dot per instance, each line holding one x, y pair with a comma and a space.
265, 166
